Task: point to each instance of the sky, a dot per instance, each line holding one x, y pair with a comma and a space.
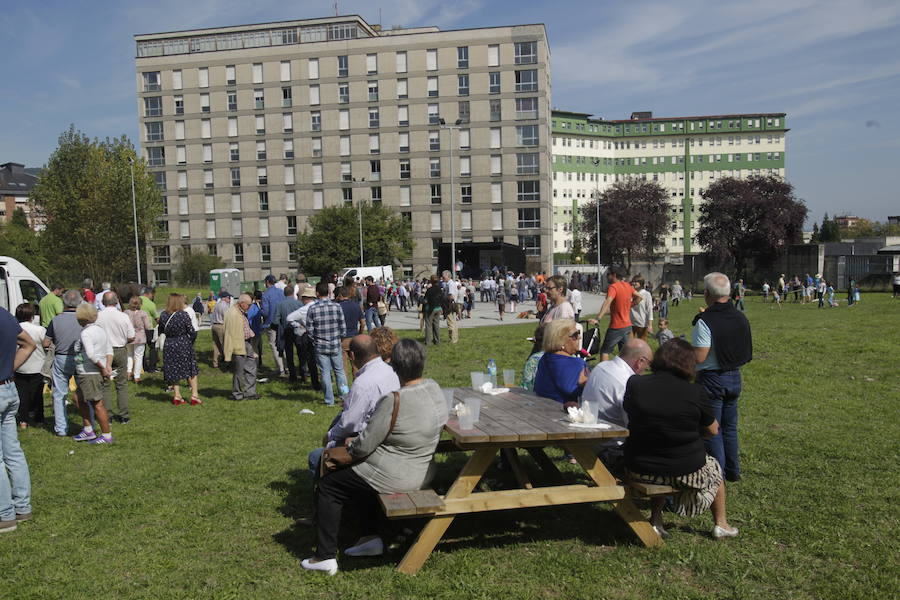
832, 66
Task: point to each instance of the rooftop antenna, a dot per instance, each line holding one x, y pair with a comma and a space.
336, 12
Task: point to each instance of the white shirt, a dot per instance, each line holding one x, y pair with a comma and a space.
297, 319
452, 288
605, 389
36, 361
118, 327
194, 322
575, 300
374, 381
91, 348
280, 285
642, 314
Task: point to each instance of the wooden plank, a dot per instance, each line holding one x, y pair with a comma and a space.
427, 501
544, 462
487, 423
506, 412
552, 411
465, 436
512, 459
537, 419
544, 496
650, 489
432, 533
397, 505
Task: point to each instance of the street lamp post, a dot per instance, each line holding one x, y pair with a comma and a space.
450, 129
597, 206
359, 207
137, 248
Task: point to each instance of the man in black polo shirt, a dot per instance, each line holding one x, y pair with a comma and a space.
722, 343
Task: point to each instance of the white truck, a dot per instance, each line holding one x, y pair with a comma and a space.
384, 272
18, 284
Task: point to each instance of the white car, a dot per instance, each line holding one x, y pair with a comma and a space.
18, 284
384, 272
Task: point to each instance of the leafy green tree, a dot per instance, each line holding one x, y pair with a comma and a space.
829, 231
755, 218
330, 240
194, 267
814, 238
24, 244
634, 219
84, 195
19, 218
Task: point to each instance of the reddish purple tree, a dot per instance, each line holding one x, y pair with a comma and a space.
634, 220
755, 218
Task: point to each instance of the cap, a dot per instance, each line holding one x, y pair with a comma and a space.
224, 295
270, 279
308, 292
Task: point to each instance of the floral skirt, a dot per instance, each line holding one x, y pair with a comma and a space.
695, 491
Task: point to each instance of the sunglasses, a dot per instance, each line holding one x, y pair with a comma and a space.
550, 287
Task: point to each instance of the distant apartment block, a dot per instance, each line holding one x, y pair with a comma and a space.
16, 183
251, 129
683, 154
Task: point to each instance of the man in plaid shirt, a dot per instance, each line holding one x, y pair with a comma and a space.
325, 326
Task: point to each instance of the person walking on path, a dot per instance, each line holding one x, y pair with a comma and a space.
238, 346
16, 346
371, 297
722, 343
620, 298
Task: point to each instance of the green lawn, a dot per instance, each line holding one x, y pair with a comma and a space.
200, 502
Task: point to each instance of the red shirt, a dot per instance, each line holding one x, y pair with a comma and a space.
620, 311
88, 295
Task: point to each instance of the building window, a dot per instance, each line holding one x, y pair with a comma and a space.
156, 157
526, 53
159, 177
528, 191
210, 229
179, 105
531, 244
434, 167
402, 89
403, 142
465, 220
462, 57
432, 87
400, 66
375, 192
527, 135
526, 108
495, 109
212, 250
292, 225
343, 66
344, 145
371, 64
403, 115
494, 82
404, 168
374, 170
527, 164
285, 70
436, 221
464, 139
237, 228
182, 180
465, 194
238, 253
205, 128
234, 153
435, 244
261, 150
287, 122
161, 255
374, 144
262, 176
151, 81
230, 78
431, 59
180, 155
404, 195
317, 173
465, 166
207, 153
209, 204
154, 131
344, 119
288, 174
208, 178
374, 119
153, 106
348, 194
288, 148
463, 85
493, 58
529, 218
232, 126
496, 164
343, 93
435, 193
497, 219
287, 98
434, 141
263, 200
264, 227
526, 81
315, 121
373, 91
463, 109
434, 114
235, 177
316, 147
235, 203
313, 68
257, 72
346, 172
182, 205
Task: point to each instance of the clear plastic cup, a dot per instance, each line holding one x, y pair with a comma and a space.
466, 418
473, 407
448, 396
478, 378
509, 377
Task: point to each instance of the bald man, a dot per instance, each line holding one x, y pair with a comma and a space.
605, 391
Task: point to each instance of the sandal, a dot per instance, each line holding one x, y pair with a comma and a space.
178, 401
195, 400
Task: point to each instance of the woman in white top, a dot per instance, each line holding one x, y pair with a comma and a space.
29, 381
92, 371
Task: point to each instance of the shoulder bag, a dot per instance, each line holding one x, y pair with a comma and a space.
340, 457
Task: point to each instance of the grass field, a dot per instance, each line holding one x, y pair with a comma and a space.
200, 502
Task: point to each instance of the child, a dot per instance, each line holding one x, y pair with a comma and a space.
664, 334
830, 291
92, 359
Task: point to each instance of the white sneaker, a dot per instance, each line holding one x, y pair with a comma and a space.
374, 547
329, 566
720, 532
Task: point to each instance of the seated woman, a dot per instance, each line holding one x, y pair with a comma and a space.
667, 416
560, 375
531, 364
394, 460
385, 339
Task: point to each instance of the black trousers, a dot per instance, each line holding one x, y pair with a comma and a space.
291, 342
31, 396
334, 491
151, 356
308, 358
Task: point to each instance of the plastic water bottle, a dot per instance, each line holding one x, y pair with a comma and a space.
492, 371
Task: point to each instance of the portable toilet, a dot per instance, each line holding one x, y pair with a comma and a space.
225, 280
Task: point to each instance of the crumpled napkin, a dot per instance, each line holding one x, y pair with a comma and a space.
578, 415
488, 388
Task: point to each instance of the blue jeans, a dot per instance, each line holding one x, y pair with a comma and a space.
63, 369
372, 318
15, 482
327, 364
723, 389
664, 309
313, 462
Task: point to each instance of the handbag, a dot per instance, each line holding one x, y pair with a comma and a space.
382, 307
340, 457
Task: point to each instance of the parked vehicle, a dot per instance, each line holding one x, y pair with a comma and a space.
384, 272
18, 284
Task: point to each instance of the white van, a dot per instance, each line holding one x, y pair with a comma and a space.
18, 284
384, 272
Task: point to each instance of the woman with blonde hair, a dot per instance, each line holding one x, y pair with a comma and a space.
384, 338
179, 360
141, 322
560, 374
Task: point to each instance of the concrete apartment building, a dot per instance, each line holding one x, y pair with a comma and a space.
251, 129
16, 183
683, 154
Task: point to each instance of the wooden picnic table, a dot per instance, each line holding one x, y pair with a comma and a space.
520, 419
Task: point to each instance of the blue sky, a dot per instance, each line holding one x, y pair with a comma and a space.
833, 66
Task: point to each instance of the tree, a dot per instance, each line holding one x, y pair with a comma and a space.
194, 267
750, 219
829, 231
814, 238
330, 240
634, 219
24, 244
84, 195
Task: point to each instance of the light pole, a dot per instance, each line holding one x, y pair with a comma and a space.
359, 207
137, 248
450, 129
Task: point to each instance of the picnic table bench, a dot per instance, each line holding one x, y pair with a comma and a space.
517, 419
